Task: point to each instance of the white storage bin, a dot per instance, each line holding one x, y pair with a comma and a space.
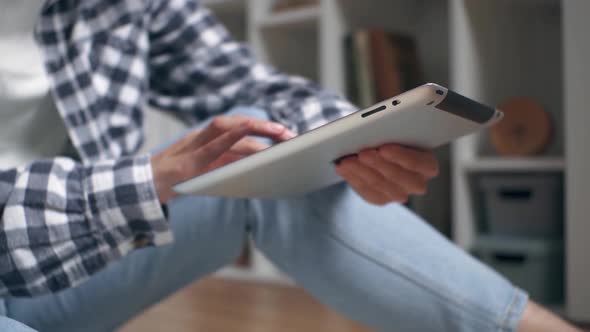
535, 265
522, 205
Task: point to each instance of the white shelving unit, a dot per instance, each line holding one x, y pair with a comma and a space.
304, 17
576, 51
486, 49
492, 165
503, 48
539, 49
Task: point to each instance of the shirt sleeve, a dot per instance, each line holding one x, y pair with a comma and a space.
197, 70
62, 222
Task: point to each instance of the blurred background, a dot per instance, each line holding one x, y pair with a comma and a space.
514, 196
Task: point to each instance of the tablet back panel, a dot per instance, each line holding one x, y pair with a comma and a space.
425, 117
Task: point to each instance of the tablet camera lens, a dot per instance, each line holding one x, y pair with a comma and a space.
396, 102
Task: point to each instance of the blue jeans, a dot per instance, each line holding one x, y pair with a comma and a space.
382, 266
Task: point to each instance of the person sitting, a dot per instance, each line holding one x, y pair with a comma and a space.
93, 235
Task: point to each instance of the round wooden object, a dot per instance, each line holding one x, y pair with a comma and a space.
525, 130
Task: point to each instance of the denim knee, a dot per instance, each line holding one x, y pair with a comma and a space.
10, 325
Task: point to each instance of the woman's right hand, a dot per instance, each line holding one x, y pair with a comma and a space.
221, 142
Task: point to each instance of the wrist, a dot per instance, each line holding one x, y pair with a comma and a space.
163, 180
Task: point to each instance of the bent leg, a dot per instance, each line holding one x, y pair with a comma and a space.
9, 325
382, 266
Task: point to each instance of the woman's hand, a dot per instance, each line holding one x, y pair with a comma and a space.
390, 173
222, 142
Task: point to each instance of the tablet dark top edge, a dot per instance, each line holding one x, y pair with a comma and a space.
464, 107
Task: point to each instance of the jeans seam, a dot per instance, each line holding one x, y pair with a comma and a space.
506, 313
482, 316
509, 312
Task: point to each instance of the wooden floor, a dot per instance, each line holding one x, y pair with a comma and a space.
219, 305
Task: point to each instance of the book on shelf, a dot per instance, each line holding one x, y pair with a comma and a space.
362, 54
380, 65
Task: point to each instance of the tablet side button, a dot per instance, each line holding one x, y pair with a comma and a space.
373, 111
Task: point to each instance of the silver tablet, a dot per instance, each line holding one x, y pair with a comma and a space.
425, 117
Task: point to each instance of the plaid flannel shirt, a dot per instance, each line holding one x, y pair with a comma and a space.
107, 60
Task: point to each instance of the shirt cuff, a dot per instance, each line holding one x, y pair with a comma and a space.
124, 201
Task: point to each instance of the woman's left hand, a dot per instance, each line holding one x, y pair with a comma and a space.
389, 173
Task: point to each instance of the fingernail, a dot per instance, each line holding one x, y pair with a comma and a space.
289, 134
275, 127
385, 154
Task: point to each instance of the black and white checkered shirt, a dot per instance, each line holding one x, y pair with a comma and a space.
107, 60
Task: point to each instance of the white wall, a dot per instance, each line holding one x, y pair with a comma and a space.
576, 91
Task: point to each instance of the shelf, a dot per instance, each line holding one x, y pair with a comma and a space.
291, 41
226, 6
535, 3
304, 17
491, 164
232, 13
